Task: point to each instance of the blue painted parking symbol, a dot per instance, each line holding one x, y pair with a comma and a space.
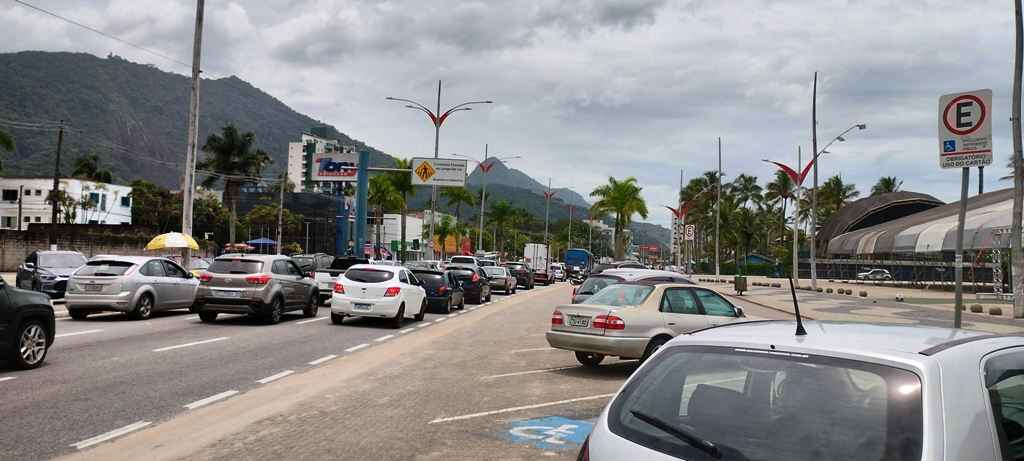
550, 433
949, 145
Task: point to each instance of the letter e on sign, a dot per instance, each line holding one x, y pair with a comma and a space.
965, 129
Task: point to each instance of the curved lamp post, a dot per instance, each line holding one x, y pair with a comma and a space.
814, 199
485, 167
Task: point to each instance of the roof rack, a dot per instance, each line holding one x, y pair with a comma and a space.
733, 324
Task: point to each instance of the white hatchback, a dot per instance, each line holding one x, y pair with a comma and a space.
367, 290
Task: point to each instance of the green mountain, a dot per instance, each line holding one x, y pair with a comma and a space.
502, 174
133, 116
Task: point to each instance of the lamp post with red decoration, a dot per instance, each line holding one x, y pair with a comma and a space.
678, 221
485, 167
548, 195
798, 179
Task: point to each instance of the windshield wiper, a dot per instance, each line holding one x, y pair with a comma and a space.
693, 440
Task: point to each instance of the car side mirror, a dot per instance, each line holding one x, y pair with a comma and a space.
309, 275
739, 312
30, 266
189, 275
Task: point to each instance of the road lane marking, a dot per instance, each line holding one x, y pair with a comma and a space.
192, 317
310, 320
529, 372
84, 332
356, 348
276, 377
407, 330
453, 314
440, 319
425, 325
110, 435
323, 359
534, 349
210, 399
196, 343
7, 378
474, 308
521, 408
384, 338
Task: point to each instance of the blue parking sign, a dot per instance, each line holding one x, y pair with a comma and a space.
550, 433
949, 145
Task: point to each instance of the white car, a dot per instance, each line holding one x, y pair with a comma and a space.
875, 274
367, 290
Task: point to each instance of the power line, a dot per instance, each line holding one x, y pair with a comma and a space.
92, 29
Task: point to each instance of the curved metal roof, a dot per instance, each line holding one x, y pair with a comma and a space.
873, 210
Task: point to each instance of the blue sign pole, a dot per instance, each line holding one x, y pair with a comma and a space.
362, 192
341, 226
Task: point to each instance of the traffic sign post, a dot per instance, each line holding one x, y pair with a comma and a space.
965, 141
438, 172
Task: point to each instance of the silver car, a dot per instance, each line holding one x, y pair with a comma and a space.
842, 391
137, 285
632, 320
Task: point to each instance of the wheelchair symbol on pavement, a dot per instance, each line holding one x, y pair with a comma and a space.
550, 433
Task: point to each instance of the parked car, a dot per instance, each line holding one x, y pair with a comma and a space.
264, 286
366, 290
198, 265
326, 276
475, 282
632, 320
313, 262
444, 292
595, 283
27, 326
843, 391
522, 272
486, 262
48, 271
875, 274
501, 279
464, 260
424, 265
136, 285
558, 272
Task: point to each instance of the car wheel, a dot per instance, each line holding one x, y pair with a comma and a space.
423, 312
489, 294
143, 308
448, 306
78, 314
396, 322
312, 307
653, 347
207, 316
589, 359
462, 304
274, 316
337, 319
31, 345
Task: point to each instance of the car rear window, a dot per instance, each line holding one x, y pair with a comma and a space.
430, 279
594, 284
762, 405
104, 268
368, 275
462, 274
494, 271
463, 259
235, 266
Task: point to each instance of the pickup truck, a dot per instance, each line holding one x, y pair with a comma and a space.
325, 277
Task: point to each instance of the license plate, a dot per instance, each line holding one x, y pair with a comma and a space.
92, 288
361, 307
578, 321
226, 294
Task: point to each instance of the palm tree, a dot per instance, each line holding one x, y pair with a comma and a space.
500, 215
232, 157
746, 189
381, 195
442, 230
885, 185
780, 189
833, 195
402, 183
458, 196
623, 200
88, 167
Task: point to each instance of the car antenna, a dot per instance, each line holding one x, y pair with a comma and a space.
800, 331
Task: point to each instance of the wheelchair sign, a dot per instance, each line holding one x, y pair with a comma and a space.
550, 433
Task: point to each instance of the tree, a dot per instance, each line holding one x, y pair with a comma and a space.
780, 189
833, 195
746, 189
265, 215
622, 200
232, 157
458, 196
500, 215
885, 185
155, 207
402, 183
442, 231
88, 167
382, 195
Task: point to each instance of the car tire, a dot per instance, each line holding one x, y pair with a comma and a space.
312, 307
462, 304
423, 312
589, 359
447, 306
276, 309
653, 347
207, 316
489, 295
337, 319
78, 314
396, 322
30, 345
143, 308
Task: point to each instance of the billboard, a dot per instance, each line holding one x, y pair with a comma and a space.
334, 166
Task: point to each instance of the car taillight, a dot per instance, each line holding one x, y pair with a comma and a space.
339, 288
609, 322
556, 318
584, 451
476, 278
392, 292
205, 277
442, 289
258, 279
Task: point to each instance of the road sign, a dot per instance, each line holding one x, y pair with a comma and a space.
965, 129
438, 172
691, 232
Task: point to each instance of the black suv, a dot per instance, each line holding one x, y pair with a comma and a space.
523, 274
476, 286
48, 271
26, 326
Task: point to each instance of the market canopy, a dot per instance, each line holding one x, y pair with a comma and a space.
172, 240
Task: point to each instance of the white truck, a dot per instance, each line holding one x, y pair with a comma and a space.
536, 256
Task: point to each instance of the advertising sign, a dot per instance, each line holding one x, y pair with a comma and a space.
438, 172
965, 129
335, 166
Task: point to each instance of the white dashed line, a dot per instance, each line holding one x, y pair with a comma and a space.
110, 435
407, 330
196, 343
474, 308
323, 359
440, 320
276, 377
210, 399
384, 338
524, 407
7, 378
302, 322
85, 332
453, 314
528, 372
356, 348
425, 325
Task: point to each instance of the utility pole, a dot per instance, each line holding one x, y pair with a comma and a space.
718, 208
680, 232
21, 192
433, 189
1018, 172
796, 225
814, 192
569, 243
547, 210
307, 238
280, 211
188, 183
55, 192
483, 198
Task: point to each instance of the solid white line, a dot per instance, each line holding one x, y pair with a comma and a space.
276, 377
474, 308
535, 349
84, 332
425, 325
210, 399
179, 346
453, 314
7, 378
109, 435
524, 407
530, 372
302, 322
356, 348
384, 338
192, 317
440, 320
407, 330
323, 359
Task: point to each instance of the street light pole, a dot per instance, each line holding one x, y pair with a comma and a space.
485, 168
718, 208
547, 210
188, 182
814, 190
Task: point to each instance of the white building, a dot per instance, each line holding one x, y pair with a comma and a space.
392, 229
95, 202
321, 166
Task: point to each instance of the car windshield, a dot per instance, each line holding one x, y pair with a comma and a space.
494, 271
368, 275
104, 268
594, 284
61, 260
621, 295
758, 405
235, 266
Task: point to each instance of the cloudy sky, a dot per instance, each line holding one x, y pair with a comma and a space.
583, 89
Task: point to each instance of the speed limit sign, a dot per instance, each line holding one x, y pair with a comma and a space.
691, 231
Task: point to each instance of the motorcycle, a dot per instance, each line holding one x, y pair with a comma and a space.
576, 276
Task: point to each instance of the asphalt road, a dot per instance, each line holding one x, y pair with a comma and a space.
109, 372
478, 385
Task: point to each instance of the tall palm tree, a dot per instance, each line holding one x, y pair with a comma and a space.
382, 195
780, 189
88, 167
402, 183
232, 157
458, 196
442, 230
886, 184
747, 189
500, 215
621, 199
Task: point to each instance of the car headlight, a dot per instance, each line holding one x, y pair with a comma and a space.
47, 276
